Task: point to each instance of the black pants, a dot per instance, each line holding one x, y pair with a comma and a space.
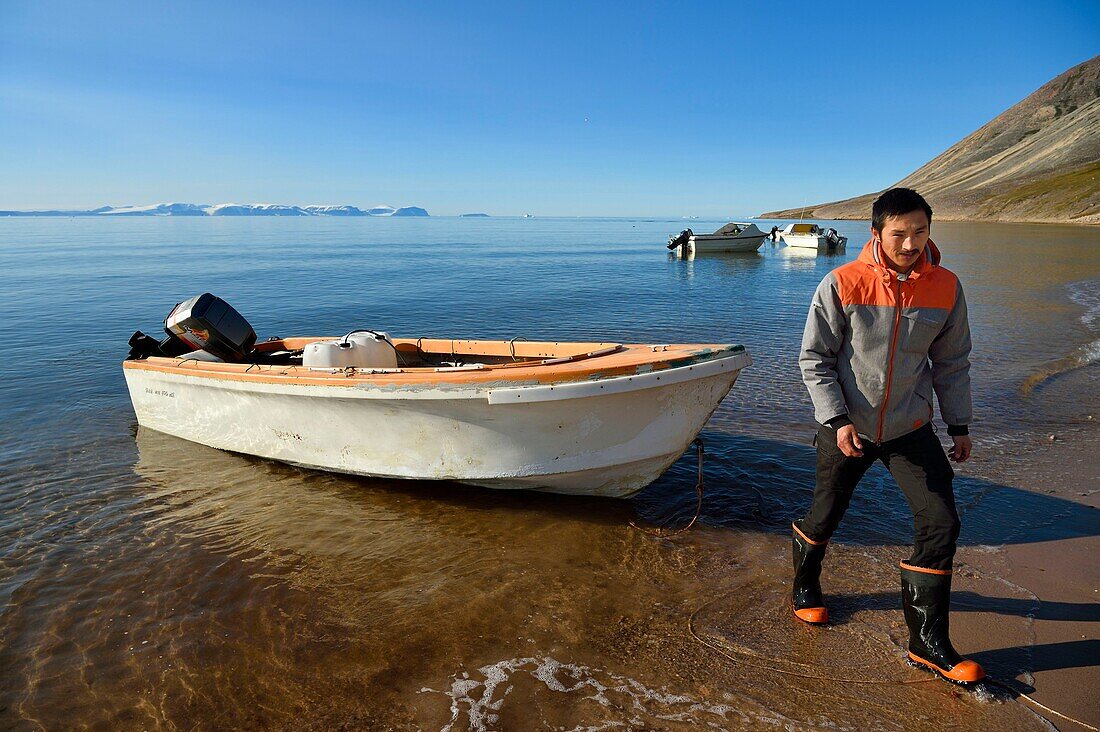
919, 465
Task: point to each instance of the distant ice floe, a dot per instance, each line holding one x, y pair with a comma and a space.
228, 209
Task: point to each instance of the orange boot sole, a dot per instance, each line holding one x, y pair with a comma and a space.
964, 674
812, 615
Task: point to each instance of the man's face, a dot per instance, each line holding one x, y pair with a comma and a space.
903, 239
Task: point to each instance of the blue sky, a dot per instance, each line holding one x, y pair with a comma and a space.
630, 108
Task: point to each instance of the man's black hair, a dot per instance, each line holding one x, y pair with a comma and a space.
897, 202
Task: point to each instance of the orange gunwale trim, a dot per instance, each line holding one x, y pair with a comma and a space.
808, 539
925, 570
965, 678
563, 362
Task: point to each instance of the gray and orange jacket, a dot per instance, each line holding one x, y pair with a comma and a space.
878, 343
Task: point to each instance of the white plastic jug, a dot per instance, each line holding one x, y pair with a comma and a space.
361, 350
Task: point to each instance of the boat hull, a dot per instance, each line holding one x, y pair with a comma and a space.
610, 437
725, 244
810, 241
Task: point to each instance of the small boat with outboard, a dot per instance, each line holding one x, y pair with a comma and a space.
812, 236
597, 418
732, 238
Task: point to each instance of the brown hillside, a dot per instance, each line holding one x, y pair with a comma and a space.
1037, 161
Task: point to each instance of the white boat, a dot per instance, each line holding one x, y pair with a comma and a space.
731, 238
813, 236
585, 418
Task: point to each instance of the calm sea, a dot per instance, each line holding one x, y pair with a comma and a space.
146, 582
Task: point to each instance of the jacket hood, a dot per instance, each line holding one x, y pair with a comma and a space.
873, 255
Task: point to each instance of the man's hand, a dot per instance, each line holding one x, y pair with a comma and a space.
848, 441
960, 452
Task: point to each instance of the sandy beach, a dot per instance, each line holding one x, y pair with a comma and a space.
1052, 657
1028, 611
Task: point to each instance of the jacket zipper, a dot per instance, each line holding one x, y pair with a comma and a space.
890, 364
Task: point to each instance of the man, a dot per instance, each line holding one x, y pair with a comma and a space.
883, 333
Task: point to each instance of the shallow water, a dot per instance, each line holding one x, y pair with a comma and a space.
146, 582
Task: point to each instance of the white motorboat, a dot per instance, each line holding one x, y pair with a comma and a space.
586, 418
731, 238
813, 236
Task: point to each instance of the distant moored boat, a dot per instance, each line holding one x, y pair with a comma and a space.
813, 237
733, 237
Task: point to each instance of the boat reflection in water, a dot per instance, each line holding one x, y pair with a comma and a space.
287, 587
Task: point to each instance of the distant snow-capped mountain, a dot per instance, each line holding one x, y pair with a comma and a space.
228, 209
334, 211
160, 209
255, 209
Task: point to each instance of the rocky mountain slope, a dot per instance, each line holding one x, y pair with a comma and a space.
1037, 161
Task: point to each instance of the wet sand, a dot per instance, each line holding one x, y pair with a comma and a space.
1028, 612
1046, 565
1057, 661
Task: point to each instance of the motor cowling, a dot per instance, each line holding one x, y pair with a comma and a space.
208, 323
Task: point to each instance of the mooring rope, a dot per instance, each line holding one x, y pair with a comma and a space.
661, 533
1039, 704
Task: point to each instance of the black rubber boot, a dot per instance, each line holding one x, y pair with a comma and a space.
926, 600
809, 605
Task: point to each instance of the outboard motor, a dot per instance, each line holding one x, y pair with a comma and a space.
144, 346
210, 324
681, 239
202, 323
